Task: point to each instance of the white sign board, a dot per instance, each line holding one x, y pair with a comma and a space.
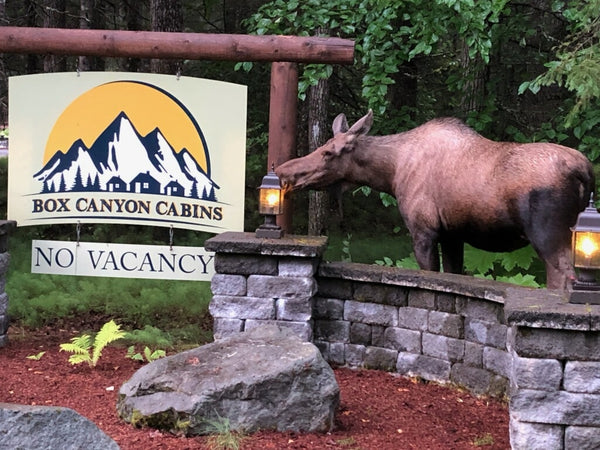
115, 147
122, 260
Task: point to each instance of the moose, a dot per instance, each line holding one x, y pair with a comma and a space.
454, 186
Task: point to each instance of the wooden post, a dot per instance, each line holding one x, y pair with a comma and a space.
282, 125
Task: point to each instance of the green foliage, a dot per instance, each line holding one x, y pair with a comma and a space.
346, 254
150, 335
505, 267
221, 437
85, 349
387, 34
577, 62
37, 356
147, 354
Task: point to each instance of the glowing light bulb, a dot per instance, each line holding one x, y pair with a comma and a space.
272, 198
587, 246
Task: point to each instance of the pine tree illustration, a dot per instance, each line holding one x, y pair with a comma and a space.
78, 182
212, 197
194, 193
62, 187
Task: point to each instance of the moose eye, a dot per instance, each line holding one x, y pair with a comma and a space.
327, 154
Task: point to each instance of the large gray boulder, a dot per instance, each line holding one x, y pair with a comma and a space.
49, 428
265, 378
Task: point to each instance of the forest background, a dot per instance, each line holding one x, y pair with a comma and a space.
513, 70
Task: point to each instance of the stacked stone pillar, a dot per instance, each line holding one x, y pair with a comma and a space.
5, 227
260, 281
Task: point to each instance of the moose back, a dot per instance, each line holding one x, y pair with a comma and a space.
455, 186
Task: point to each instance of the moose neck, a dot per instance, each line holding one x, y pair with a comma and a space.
374, 163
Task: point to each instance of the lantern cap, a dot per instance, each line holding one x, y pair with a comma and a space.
270, 180
588, 219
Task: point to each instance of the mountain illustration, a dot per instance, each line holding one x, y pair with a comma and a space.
121, 160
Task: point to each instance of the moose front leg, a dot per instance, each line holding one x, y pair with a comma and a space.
426, 252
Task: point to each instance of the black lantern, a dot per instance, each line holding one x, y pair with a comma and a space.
270, 204
586, 256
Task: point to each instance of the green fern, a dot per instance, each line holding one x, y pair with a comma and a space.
84, 350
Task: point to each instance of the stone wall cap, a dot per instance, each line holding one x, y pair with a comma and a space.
435, 281
248, 243
545, 308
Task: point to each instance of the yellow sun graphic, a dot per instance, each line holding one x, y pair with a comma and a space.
147, 106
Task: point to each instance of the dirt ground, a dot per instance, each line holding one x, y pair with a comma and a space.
378, 410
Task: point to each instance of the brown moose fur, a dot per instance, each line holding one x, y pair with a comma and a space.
455, 186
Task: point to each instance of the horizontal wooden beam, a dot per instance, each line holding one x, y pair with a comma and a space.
149, 44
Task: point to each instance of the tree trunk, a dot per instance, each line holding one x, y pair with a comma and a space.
91, 17
54, 17
318, 201
474, 85
166, 16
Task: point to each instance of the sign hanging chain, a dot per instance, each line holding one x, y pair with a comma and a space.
171, 238
78, 231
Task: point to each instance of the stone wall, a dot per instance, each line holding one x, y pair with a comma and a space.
492, 338
6, 226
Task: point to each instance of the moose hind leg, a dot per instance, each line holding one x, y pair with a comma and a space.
453, 255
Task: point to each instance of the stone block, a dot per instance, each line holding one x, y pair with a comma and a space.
3, 302
4, 323
487, 333
246, 264
4, 263
323, 348
413, 318
335, 288
336, 353
231, 307
378, 336
371, 313
297, 267
443, 347
582, 438
380, 358
473, 354
582, 376
533, 373
448, 324
557, 344
426, 367
281, 287
478, 381
296, 309
332, 330
497, 361
355, 355
328, 308
528, 436
304, 330
360, 333
556, 407
379, 293
421, 298
445, 302
226, 327
224, 284
481, 309
402, 340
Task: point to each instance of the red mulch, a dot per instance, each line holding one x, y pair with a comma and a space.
378, 410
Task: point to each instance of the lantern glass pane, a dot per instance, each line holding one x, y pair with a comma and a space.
270, 201
586, 249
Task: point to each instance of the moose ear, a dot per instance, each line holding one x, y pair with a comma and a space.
362, 125
340, 124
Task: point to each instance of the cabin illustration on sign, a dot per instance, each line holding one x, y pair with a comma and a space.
116, 184
144, 183
174, 189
